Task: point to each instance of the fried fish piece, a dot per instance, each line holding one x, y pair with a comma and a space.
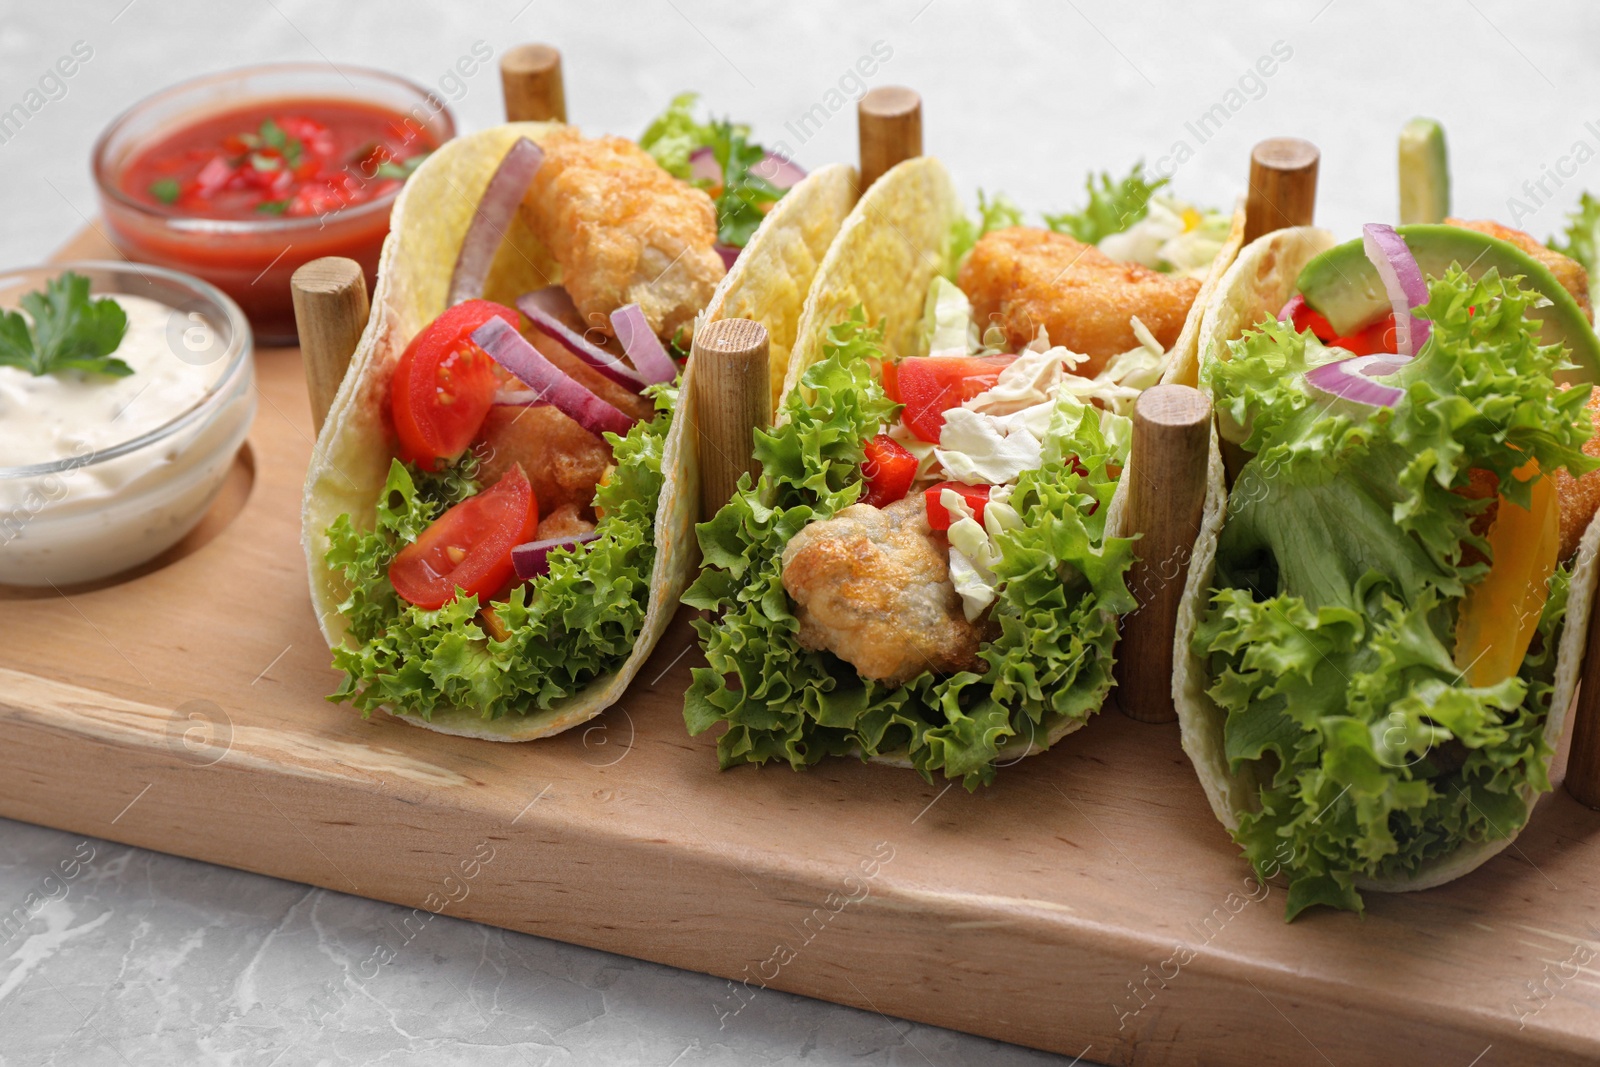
1580, 497
624, 231
873, 587
1023, 278
1569, 272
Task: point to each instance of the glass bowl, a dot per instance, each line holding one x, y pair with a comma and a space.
100, 512
251, 259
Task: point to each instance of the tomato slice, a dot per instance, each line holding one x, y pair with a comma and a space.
444, 384
1304, 317
888, 470
1372, 339
468, 547
931, 385
976, 497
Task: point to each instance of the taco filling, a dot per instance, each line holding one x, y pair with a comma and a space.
509, 559
927, 568
1392, 573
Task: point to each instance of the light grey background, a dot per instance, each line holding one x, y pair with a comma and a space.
151, 959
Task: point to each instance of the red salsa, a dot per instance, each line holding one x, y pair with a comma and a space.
291, 157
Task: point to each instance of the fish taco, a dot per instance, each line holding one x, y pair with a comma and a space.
1387, 604
930, 567
498, 518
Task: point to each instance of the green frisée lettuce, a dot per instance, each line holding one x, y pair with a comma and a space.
1583, 242
563, 629
1061, 583
1339, 574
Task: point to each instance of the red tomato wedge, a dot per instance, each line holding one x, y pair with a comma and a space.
468, 547
888, 470
931, 385
1372, 339
444, 384
976, 497
1304, 317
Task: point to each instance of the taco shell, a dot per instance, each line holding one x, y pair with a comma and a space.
1258, 284
351, 458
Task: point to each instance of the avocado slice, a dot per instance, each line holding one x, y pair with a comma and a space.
1343, 285
1424, 172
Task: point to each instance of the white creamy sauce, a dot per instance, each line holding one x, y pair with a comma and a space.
100, 516
52, 417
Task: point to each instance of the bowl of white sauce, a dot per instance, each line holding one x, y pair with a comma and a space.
122, 408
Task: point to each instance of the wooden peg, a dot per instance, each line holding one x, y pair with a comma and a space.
1283, 186
530, 76
330, 311
1167, 465
733, 397
1583, 761
889, 124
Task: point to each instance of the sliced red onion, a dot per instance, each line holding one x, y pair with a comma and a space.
533, 559
533, 306
780, 170
703, 165
519, 398
1292, 308
1352, 379
555, 299
506, 188
1402, 281
513, 352
642, 344
729, 254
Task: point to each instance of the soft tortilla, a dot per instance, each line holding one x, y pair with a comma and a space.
1255, 288
887, 254
351, 460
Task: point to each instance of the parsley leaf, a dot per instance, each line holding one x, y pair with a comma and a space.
403, 169
673, 138
273, 207
68, 332
1113, 206
165, 190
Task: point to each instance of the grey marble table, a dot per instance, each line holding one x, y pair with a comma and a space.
145, 958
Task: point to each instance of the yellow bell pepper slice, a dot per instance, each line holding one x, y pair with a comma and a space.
1500, 614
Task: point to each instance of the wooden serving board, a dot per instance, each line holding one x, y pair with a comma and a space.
1087, 903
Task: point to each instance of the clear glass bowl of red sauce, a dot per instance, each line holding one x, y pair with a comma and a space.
243, 176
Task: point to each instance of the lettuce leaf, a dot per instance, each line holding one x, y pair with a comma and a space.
1340, 569
996, 214
742, 197
563, 629
1583, 241
1114, 205
1063, 586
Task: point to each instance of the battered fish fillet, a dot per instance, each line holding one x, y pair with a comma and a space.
872, 586
1569, 272
1023, 278
624, 231
1580, 497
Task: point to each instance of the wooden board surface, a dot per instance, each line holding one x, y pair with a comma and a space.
1087, 903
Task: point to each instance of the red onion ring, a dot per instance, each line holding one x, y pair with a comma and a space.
642, 344
533, 559
533, 306
1402, 281
490, 220
1352, 379
513, 352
